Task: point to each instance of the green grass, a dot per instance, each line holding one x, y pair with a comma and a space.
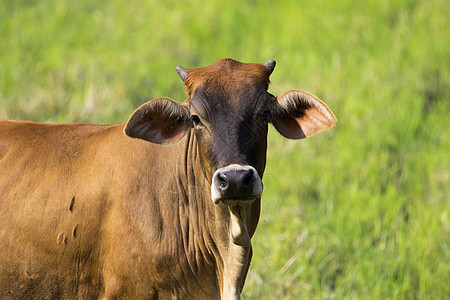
360, 212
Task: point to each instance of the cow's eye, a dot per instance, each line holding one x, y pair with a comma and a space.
266, 116
196, 120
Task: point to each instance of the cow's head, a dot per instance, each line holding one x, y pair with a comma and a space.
229, 110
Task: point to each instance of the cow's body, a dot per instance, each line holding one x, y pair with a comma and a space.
87, 212
86, 217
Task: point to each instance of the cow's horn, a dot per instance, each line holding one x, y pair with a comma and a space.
270, 65
182, 72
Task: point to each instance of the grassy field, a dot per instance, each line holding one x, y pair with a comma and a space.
360, 212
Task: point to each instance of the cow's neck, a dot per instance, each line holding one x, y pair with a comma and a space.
232, 261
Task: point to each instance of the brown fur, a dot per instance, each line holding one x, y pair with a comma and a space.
218, 76
83, 216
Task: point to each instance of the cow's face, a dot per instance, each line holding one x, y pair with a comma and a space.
229, 109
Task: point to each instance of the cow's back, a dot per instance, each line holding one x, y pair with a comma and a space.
52, 206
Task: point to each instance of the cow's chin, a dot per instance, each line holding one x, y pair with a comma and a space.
238, 216
238, 226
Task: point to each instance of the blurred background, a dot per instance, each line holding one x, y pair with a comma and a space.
359, 212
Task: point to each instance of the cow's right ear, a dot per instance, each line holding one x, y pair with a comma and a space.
298, 114
160, 121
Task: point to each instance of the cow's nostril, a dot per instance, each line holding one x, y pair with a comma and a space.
248, 178
223, 183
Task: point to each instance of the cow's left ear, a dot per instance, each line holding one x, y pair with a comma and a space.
298, 114
160, 121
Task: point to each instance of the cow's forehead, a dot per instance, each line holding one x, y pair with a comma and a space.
216, 104
227, 77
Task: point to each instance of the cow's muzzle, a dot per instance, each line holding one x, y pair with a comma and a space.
236, 185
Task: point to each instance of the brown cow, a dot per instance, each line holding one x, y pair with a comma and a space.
164, 211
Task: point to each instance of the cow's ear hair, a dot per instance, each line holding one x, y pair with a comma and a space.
298, 114
160, 121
